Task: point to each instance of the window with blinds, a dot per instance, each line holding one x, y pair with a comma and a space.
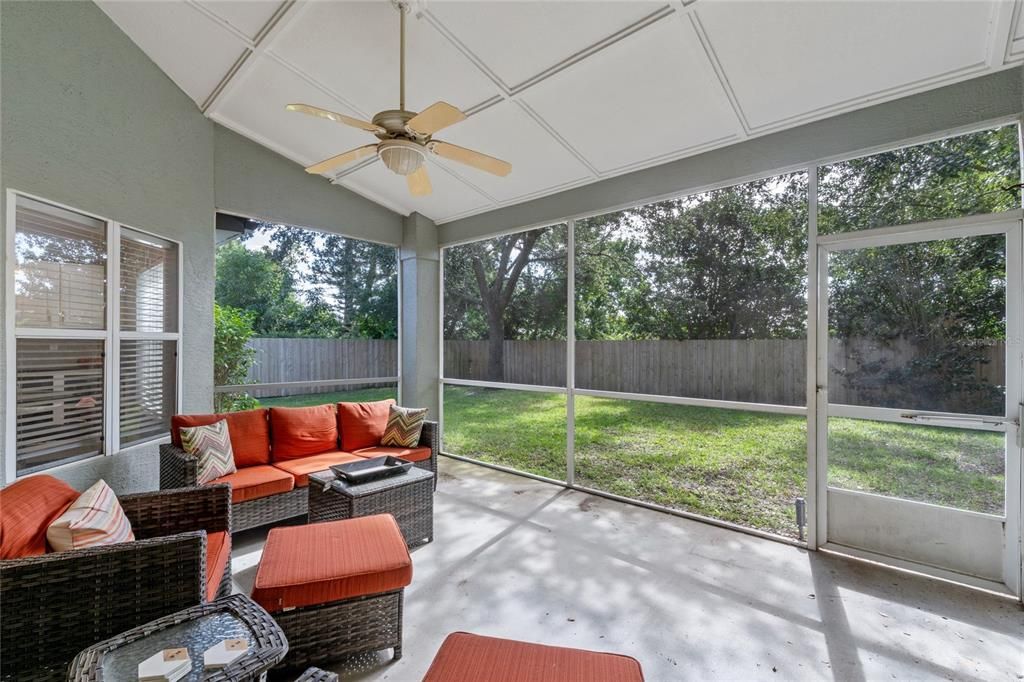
83, 387
60, 401
148, 378
60, 272
149, 283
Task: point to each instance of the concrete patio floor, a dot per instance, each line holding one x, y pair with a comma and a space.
518, 558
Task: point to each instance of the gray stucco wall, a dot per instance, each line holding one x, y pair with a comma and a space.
962, 104
255, 181
87, 120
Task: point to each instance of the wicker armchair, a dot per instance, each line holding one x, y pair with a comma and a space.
179, 469
56, 604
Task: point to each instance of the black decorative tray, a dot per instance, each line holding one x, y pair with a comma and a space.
371, 469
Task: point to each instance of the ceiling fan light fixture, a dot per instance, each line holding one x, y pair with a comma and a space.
401, 156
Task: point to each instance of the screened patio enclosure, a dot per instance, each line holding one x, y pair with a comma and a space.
791, 307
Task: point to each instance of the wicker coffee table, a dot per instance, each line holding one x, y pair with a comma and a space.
409, 497
197, 628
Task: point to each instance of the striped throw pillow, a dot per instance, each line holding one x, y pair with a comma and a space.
211, 445
95, 518
404, 427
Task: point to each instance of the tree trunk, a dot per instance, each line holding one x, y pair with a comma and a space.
495, 350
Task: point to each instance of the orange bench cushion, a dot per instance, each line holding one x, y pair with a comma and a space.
27, 508
300, 469
465, 656
218, 553
249, 431
408, 454
301, 431
325, 562
362, 424
252, 483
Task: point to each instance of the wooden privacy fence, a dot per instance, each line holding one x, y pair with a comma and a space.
284, 360
750, 370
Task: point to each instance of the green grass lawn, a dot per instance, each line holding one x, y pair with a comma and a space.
744, 467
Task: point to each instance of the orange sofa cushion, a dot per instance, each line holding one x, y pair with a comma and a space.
465, 656
408, 454
27, 508
324, 562
249, 431
300, 431
300, 469
218, 553
362, 424
252, 483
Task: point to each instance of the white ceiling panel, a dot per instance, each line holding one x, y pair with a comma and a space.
538, 161
789, 59
352, 48
245, 16
255, 105
191, 48
451, 197
652, 95
518, 40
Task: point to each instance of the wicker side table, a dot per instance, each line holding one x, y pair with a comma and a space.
196, 628
408, 497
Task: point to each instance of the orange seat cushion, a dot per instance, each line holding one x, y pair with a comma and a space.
465, 656
252, 483
300, 469
27, 508
218, 553
362, 424
325, 562
249, 431
408, 454
301, 431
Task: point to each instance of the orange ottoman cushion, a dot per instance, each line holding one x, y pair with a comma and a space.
362, 424
465, 656
408, 454
325, 562
300, 469
27, 508
301, 431
252, 483
218, 553
249, 431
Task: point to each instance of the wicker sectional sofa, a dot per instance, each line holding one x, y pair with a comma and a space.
277, 448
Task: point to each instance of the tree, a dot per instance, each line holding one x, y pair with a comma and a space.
232, 357
252, 281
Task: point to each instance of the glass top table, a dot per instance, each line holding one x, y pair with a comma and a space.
197, 629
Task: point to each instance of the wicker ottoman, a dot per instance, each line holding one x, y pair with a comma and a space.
465, 656
335, 588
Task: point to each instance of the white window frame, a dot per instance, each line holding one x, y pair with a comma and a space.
111, 336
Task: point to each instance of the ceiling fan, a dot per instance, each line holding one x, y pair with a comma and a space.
405, 136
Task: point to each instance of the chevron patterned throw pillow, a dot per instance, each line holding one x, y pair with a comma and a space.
404, 427
212, 447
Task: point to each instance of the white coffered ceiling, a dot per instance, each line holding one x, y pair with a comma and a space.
568, 92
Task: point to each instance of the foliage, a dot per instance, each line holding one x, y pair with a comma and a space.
232, 358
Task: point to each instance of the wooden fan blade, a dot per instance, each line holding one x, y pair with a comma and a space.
336, 117
469, 157
437, 116
419, 182
343, 158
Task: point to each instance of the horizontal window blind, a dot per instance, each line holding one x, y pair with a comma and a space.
148, 386
61, 268
149, 283
59, 390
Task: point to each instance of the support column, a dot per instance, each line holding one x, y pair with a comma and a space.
420, 261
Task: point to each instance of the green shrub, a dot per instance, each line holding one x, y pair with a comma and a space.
232, 358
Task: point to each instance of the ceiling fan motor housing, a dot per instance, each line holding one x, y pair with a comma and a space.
401, 156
